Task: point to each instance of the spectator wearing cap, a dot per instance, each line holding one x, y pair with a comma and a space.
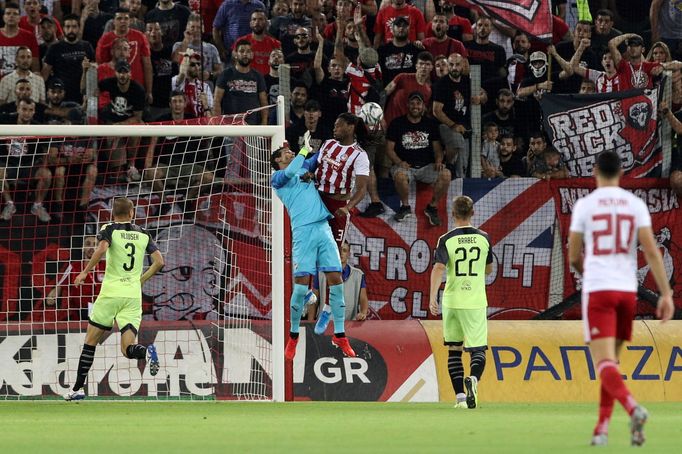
284, 28
231, 22
140, 61
64, 59
383, 25
633, 71
319, 132
492, 57
12, 37
405, 83
198, 93
48, 33
399, 55
23, 60
120, 51
413, 146
32, 21
125, 107
57, 109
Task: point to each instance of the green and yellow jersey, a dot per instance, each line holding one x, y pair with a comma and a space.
465, 252
128, 244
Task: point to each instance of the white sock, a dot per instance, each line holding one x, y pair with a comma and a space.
461, 397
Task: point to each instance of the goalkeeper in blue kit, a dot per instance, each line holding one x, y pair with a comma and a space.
314, 248
120, 299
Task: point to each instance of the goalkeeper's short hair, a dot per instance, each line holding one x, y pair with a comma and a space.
273, 157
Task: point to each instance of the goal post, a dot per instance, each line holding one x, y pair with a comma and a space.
239, 222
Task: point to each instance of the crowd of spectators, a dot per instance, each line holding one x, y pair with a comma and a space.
164, 60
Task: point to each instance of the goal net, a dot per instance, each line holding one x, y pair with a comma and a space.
202, 190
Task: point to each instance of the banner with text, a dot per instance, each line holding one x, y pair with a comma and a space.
517, 213
666, 218
582, 126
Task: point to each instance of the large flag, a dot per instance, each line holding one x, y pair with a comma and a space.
581, 126
533, 17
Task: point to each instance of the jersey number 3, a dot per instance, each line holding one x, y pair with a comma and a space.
129, 266
617, 234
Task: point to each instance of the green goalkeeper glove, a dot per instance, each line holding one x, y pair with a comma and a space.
306, 144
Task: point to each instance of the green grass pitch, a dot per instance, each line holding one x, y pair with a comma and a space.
313, 427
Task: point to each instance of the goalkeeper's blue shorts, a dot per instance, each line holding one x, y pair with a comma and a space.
315, 250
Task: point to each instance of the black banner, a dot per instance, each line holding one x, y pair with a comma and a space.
582, 126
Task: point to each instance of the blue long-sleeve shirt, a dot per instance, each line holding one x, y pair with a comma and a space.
301, 198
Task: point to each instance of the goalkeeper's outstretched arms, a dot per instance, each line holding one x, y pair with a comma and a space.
286, 166
155, 267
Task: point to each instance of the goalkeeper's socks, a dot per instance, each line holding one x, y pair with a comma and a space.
456, 371
613, 382
477, 363
84, 364
296, 304
136, 351
605, 410
338, 304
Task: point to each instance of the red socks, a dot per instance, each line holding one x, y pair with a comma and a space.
612, 384
605, 410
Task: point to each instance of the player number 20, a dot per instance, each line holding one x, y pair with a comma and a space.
473, 254
129, 266
616, 236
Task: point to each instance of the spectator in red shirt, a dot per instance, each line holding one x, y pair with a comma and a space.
12, 37
344, 12
261, 43
633, 71
440, 43
140, 54
31, 21
404, 84
383, 26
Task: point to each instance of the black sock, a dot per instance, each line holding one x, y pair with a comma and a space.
456, 370
293, 335
477, 363
84, 364
136, 351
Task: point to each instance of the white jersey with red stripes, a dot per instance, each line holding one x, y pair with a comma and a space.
358, 85
609, 219
338, 165
604, 83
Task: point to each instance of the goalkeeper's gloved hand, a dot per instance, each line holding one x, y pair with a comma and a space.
310, 298
306, 144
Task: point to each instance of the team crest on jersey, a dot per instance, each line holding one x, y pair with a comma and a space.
343, 158
639, 79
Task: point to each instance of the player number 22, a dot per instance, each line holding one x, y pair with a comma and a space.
129, 266
617, 233
474, 251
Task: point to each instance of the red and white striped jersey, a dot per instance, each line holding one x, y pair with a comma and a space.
358, 85
338, 165
604, 83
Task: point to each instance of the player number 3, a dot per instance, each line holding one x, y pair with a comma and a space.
129, 266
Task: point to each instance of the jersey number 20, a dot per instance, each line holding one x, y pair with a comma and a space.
617, 233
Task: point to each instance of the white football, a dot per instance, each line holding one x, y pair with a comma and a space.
371, 113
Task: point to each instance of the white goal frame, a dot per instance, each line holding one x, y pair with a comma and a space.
277, 136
